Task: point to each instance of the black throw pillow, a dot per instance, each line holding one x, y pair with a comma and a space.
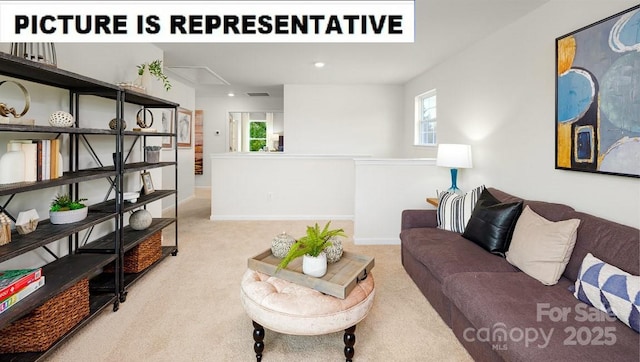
492, 223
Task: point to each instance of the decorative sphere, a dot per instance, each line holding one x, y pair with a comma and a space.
61, 119
114, 122
140, 219
334, 252
281, 245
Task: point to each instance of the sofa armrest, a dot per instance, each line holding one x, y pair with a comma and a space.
419, 219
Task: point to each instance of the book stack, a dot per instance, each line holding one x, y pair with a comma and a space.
15, 285
43, 160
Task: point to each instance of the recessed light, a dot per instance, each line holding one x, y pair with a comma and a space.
318, 64
231, 94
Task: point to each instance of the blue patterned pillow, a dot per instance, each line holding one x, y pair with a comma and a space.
454, 211
610, 290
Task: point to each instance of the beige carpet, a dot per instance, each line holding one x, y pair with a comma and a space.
188, 308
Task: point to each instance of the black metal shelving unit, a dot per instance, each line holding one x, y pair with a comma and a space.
87, 260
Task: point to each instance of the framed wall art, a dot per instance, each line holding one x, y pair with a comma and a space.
167, 127
183, 128
198, 142
598, 97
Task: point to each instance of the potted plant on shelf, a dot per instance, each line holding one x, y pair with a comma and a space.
311, 247
155, 69
64, 210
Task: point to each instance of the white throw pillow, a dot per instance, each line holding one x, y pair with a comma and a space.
542, 248
454, 211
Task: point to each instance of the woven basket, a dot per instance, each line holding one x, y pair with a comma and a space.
38, 330
142, 255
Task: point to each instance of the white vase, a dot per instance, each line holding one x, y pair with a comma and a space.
315, 266
12, 164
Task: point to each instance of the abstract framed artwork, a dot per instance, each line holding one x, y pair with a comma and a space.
598, 97
183, 128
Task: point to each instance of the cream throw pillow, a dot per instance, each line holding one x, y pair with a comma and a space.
542, 248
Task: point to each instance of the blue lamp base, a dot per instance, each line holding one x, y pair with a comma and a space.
454, 182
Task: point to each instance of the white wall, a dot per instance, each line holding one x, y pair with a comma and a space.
385, 187
343, 119
215, 113
499, 96
278, 186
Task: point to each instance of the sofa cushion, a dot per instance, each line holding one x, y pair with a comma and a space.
455, 210
548, 210
492, 222
445, 253
611, 242
541, 248
610, 290
524, 320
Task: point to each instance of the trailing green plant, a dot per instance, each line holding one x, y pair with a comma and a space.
65, 203
155, 69
311, 244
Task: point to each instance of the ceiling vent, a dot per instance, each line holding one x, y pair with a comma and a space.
257, 94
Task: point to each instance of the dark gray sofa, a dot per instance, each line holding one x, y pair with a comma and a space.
500, 313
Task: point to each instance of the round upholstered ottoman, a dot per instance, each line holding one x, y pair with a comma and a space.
290, 308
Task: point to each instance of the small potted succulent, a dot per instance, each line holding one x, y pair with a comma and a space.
311, 247
64, 210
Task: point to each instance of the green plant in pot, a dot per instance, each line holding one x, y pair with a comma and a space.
311, 247
155, 69
65, 210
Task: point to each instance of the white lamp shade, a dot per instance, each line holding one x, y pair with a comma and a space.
454, 156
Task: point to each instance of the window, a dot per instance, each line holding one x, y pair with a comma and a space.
426, 120
257, 135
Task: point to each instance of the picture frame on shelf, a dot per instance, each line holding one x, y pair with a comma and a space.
167, 127
183, 128
147, 183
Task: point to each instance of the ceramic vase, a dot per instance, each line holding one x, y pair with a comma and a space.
334, 252
12, 164
281, 245
315, 266
69, 216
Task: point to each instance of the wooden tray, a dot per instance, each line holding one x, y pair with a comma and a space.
342, 276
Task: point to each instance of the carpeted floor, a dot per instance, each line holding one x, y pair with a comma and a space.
188, 307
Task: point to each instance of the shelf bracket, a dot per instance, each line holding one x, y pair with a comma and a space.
50, 252
3, 208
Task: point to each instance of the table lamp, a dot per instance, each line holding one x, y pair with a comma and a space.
454, 156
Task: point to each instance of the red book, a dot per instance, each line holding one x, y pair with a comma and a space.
12, 281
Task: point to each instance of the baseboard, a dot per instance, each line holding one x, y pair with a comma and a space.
376, 241
279, 217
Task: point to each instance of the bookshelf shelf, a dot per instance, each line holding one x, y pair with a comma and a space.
76, 262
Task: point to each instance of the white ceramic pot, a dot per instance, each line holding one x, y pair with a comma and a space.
12, 164
315, 266
67, 217
61, 119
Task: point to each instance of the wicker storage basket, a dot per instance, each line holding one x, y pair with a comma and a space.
142, 255
38, 330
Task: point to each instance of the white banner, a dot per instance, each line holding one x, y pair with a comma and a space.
208, 21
